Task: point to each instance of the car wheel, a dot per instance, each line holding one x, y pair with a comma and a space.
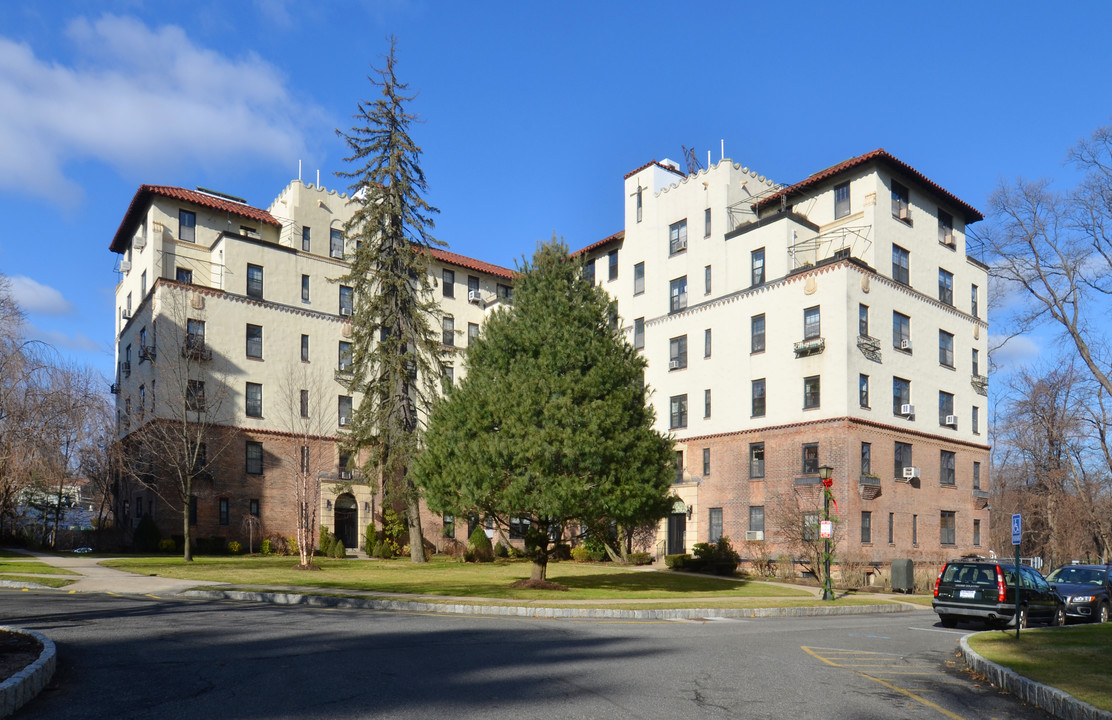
1102, 614
1059, 618
948, 621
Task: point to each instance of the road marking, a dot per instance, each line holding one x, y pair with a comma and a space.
153, 596
885, 683
937, 630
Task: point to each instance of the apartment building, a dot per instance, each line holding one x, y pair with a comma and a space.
236, 314
838, 322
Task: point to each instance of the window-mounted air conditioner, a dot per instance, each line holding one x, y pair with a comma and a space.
474, 296
754, 535
681, 244
674, 365
125, 314
343, 420
906, 409
139, 242
125, 266
905, 344
345, 474
345, 312
951, 420
910, 472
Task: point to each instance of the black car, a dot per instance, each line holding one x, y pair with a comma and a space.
1087, 590
981, 589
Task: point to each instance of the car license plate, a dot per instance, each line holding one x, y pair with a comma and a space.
967, 594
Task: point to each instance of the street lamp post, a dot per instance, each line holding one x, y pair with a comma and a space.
825, 473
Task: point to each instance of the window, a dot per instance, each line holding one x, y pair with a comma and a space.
811, 392
841, 200
706, 343
448, 377
639, 203
254, 458
678, 407
901, 202
945, 227
901, 331
891, 528
304, 288
706, 280
472, 333
639, 333
812, 327
347, 306
946, 475
255, 281
706, 403
343, 358
448, 334
706, 223
449, 522
505, 292
947, 527
304, 397
759, 398
612, 265
254, 400
519, 526
976, 361
863, 390
343, 410
677, 237
639, 278
129, 304
757, 334
187, 226
756, 460
915, 530
183, 275
448, 278
757, 518
902, 458
976, 533
901, 395
336, 243
589, 271
901, 265
195, 396
866, 458
223, 511
975, 420
706, 462
945, 286
192, 509
679, 466
304, 348
866, 527
677, 353
678, 293
255, 341
945, 406
976, 475
863, 320
306, 244
253, 507
973, 305
714, 526
810, 526
472, 284
945, 348
757, 267
143, 284
305, 459
810, 458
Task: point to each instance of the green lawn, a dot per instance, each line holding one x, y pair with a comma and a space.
1075, 659
487, 580
33, 568
38, 579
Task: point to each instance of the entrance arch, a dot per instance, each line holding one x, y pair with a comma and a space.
345, 517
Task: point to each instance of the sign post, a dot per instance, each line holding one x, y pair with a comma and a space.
1017, 535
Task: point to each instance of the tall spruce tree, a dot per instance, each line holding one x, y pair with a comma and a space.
550, 427
396, 353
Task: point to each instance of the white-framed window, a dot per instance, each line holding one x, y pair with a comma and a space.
714, 525
706, 223
841, 200
639, 333
812, 326
612, 265
757, 267
945, 287
187, 226
901, 202
677, 237
639, 278
677, 353
945, 348
901, 265
901, 394
336, 243
677, 291
901, 331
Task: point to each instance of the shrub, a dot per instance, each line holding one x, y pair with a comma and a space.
580, 554
479, 546
500, 550
785, 567
290, 546
719, 558
234, 547
384, 550
640, 558
759, 558
324, 542
167, 546
338, 550
147, 536
265, 547
677, 562
370, 537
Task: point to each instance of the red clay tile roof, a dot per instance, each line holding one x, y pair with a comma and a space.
620, 235
472, 264
138, 207
881, 156
650, 164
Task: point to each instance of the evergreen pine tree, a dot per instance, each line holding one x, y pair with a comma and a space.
396, 350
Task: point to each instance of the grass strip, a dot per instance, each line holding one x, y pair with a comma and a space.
33, 568
53, 582
1073, 659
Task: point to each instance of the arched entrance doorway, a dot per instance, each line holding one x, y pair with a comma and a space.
345, 517
677, 528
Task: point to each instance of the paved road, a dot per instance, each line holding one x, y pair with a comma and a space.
144, 657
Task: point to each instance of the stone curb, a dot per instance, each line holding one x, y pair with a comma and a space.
333, 601
21, 688
1054, 701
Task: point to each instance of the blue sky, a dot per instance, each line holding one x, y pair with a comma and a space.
532, 112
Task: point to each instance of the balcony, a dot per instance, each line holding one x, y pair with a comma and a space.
194, 348
114, 388
869, 347
147, 352
868, 486
811, 346
980, 384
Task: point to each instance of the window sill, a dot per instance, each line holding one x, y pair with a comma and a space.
897, 348
948, 367
252, 357
948, 486
906, 221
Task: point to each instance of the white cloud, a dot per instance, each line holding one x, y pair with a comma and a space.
58, 339
137, 98
1017, 351
39, 299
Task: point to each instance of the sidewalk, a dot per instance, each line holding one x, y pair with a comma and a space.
96, 578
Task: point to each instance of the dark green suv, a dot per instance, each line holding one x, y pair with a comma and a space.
981, 589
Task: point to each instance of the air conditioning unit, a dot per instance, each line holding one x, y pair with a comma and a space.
345, 474
948, 241
906, 409
343, 421
910, 472
343, 367
681, 244
951, 420
474, 296
905, 213
126, 368
905, 344
754, 535
125, 314
125, 266
139, 242
345, 312
674, 365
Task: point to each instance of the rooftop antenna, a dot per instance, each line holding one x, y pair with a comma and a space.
693, 165
318, 179
299, 171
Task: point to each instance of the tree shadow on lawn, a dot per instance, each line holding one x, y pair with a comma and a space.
656, 583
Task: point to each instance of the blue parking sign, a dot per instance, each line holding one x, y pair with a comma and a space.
1017, 528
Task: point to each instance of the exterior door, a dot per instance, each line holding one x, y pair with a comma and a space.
346, 515
677, 531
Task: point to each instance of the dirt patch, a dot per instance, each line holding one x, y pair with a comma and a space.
532, 584
17, 651
307, 567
